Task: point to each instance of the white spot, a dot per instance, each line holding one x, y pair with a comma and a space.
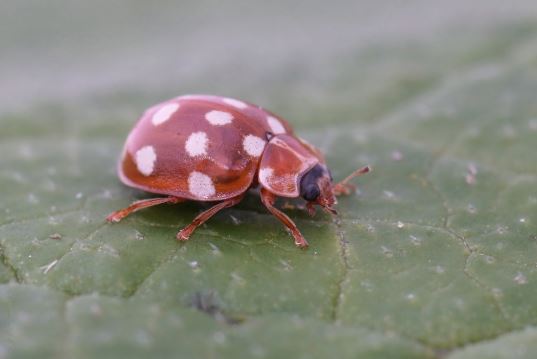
522, 220
145, 160
400, 225
194, 264
253, 145
200, 185
164, 113
196, 144
235, 103
219, 118
275, 125
265, 173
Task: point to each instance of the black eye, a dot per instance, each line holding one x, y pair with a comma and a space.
311, 192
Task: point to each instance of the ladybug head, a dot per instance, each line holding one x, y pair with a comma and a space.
316, 188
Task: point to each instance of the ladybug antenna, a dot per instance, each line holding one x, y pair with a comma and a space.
344, 187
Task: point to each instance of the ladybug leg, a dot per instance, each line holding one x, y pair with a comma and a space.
268, 200
138, 205
203, 217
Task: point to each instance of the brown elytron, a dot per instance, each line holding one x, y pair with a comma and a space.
209, 148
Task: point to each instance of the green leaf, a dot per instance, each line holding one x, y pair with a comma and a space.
434, 256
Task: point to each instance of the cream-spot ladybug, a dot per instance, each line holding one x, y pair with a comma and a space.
210, 148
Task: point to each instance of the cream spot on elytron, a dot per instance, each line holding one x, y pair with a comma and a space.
235, 103
145, 160
196, 144
164, 113
219, 118
275, 125
253, 145
200, 185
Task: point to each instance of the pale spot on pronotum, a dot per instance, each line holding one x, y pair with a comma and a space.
200, 185
235, 103
265, 174
219, 118
196, 144
253, 145
145, 160
275, 125
164, 113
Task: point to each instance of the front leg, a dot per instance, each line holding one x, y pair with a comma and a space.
268, 200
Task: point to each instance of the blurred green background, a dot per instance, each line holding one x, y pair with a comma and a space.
434, 257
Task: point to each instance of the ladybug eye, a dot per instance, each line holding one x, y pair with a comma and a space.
311, 192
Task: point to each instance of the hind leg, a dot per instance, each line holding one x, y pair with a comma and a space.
138, 205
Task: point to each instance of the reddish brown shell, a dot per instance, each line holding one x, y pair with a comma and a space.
198, 147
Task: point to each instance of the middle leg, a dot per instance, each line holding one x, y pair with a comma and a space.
203, 217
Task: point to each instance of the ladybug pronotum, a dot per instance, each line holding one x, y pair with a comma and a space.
210, 148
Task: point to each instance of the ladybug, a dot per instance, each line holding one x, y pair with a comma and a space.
210, 148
